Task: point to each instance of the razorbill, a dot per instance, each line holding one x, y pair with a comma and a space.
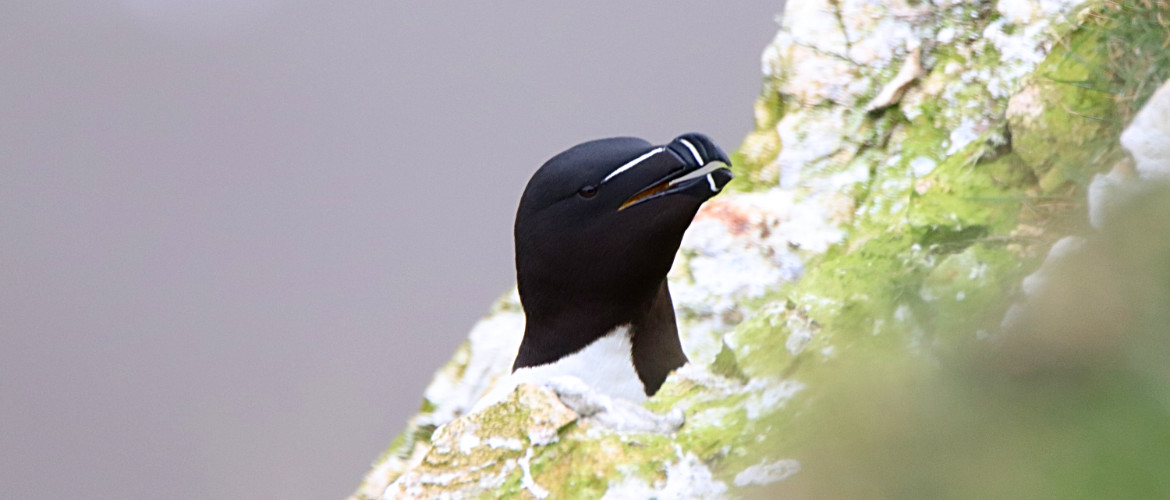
596, 231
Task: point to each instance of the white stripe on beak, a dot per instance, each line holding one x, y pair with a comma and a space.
713, 166
694, 152
631, 164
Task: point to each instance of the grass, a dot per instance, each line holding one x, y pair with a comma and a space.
1137, 45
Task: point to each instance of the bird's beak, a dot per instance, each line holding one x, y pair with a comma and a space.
705, 171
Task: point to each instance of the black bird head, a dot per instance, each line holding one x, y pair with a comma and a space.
596, 232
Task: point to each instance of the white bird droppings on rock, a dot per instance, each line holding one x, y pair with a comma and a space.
629, 487
467, 442
612, 413
496, 442
828, 57
767, 395
962, 136
767, 472
922, 165
526, 480
689, 478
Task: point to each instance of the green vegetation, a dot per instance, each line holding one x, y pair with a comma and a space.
1070, 401
913, 384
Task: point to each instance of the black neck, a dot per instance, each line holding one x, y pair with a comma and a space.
654, 334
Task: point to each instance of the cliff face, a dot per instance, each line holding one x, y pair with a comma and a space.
871, 312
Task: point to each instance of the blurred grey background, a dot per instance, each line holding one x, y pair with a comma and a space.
237, 237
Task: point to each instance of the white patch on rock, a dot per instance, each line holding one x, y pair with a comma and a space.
977, 272
815, 25
807, 137
945, 35
709, 417
962, 136
1017, 11
902, 314
797, 339
922, 165
496, 442
612, 413
764, 394
767, 395
1147, 137
467, 442
767, 472
526, 480
689, 478
800, 332
1030, 39
630, 487
739, 247
810, 30
880, 31
726, 267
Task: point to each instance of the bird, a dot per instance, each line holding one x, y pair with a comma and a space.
596, 231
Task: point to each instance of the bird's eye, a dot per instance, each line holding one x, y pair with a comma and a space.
588, 191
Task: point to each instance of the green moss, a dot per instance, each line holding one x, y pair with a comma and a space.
580, 467
762, 145
1069, 405
965, 293
1066, 122
933, 276
924, 273
575, 473
759, 350
988, 195
726, 365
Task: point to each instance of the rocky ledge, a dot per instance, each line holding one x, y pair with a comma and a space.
940, 273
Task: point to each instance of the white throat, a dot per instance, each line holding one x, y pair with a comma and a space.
606, 365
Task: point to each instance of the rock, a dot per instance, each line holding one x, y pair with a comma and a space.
1147, 137
895, 236
477, 454
911, 71
613, 413
1053, 114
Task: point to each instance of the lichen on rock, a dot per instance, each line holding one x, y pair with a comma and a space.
912, 164
483, 451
